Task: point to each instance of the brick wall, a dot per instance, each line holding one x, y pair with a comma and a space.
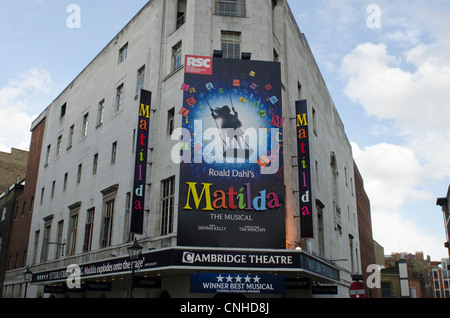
20, 227
12, 167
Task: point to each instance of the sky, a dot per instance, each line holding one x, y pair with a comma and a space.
385, 63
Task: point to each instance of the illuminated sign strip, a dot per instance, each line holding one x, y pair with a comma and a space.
140, 170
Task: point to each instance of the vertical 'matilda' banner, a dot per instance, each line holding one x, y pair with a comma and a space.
304, 170
231, 147
140, 167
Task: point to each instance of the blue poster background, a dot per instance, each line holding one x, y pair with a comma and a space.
237, 283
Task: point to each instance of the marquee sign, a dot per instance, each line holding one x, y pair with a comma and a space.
197, 259
230, 154
140, 168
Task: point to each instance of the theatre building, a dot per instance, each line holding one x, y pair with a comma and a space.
203, 133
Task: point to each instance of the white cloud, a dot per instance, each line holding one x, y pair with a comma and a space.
378, 130
404, 83
384, 90
17, 99
392, 175
415, 100
391, 229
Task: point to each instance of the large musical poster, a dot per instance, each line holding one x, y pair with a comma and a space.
231, 187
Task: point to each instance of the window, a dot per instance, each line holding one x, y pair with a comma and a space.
133, 141
113, 152
72, 239
299, 90
16, 263
62, 110
231, 44
95, 164
317, 171
176, 56
140, 80
52, 195
47, 230
170, 121
47, 156
435, 274
119, 98
335, 192
5, 209
128, 236
438, 294
66, 176
109, 197
181, 13
320, 228
84, 131
59, 234
167, 205
234, 8
42, 194
80, 168
59, 146
108, 223
352, 261
385, 290
123, 53
69, 143
24, 257
36, 246
100, 112
87, 245
314, 115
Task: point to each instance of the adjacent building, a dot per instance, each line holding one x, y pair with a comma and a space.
366, 241
13, 166
10, 211
16, 247
406, 276
444, 203
109, 140
441, 279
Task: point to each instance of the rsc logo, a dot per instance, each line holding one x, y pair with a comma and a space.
198, 65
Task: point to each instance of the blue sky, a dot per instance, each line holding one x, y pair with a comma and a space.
390, 84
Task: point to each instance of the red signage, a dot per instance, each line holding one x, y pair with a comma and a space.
357, 290
201, 65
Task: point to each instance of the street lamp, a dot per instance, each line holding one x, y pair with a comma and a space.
27, 274
134, 251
